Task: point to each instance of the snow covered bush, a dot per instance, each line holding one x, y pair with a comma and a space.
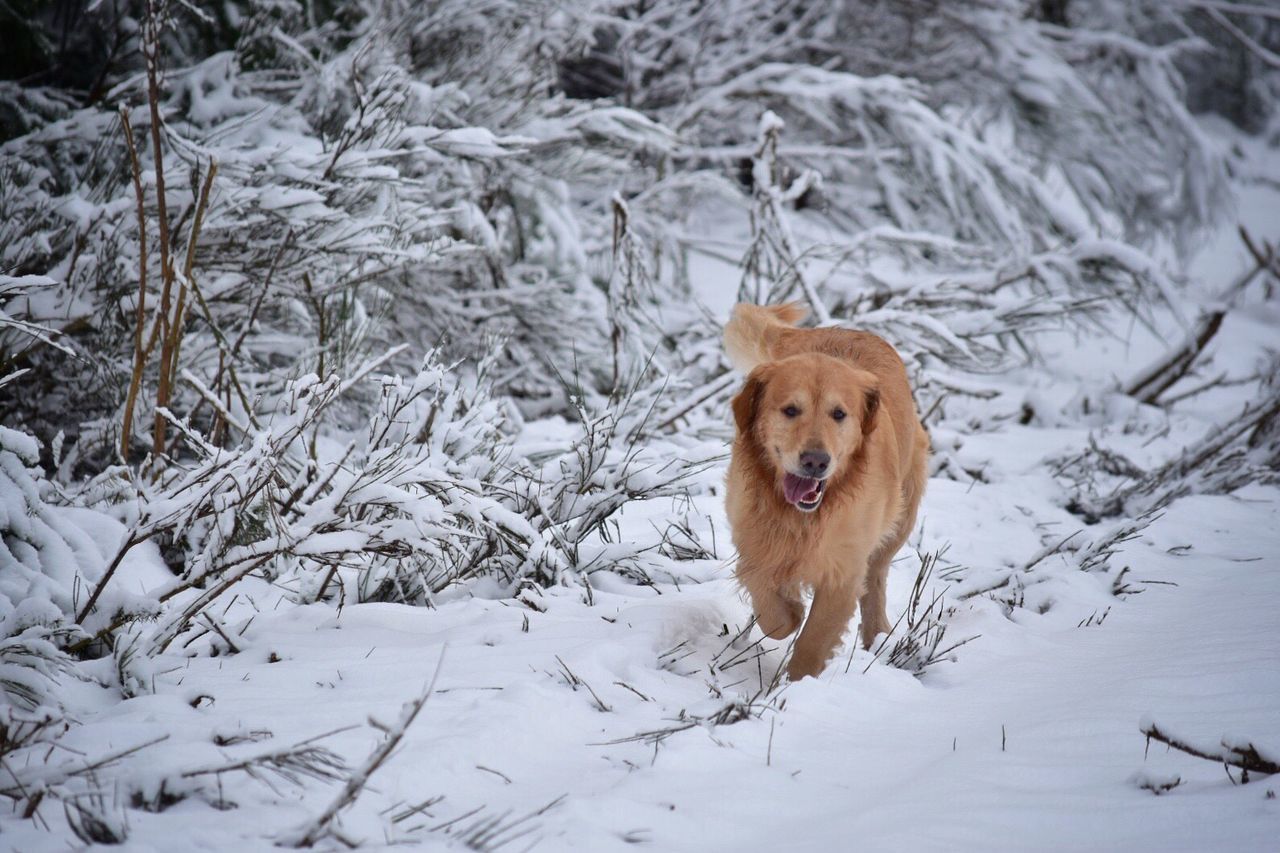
409, 177
45, 560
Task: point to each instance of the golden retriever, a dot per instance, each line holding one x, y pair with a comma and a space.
828, 467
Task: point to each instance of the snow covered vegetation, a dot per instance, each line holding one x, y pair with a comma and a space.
364, 421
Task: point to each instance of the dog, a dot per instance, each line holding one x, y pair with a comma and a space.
828, 467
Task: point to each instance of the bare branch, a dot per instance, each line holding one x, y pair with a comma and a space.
1235, 752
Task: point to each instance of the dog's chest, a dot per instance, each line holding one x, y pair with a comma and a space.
802, 548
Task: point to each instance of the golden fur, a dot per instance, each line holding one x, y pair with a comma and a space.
800, 382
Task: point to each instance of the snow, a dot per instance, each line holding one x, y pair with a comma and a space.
597, 684
1032, 734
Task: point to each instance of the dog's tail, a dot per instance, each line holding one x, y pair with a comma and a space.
749, 334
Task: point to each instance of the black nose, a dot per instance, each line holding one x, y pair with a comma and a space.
815, 462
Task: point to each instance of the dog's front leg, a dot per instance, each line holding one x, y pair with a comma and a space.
874, 619
833, 607
777, 613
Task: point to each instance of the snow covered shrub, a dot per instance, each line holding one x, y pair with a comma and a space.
428, 494
286, 506
1095, 100
424, 176
928, 172
363, 197
46, 559
571, 499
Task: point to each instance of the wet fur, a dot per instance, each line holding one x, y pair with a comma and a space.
879, 454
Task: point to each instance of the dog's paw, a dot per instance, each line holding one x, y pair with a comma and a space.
870, 630
803, 666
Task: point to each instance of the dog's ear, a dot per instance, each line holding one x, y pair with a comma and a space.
747, 403
870, 405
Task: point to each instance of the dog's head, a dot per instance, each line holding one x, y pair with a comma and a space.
809, 414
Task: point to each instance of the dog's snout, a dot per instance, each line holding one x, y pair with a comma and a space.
815, 462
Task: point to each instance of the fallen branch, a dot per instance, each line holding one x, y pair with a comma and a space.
1148, 385
1174, 364
1208, 466
1231, 751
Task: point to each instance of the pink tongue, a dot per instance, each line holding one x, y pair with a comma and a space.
799, 489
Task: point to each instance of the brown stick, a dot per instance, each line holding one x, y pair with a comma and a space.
1246, 758
1176, 362
169, 368
151, 54
132, 540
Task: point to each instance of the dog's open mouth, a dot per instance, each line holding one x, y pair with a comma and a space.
803, 493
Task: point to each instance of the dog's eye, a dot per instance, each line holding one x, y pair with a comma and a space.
791, 411
839, 414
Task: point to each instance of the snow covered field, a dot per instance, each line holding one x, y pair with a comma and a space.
1029, 741
653, 717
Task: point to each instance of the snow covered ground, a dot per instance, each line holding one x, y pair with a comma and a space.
1028, 741
654, 718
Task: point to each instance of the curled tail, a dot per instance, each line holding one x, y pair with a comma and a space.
748, 336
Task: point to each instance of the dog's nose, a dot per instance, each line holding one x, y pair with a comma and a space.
814, 462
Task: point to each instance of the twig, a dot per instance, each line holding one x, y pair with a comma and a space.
1237, 754
1048, 551
133, 539
1267, 57
574, 681
503, 776
217, 629
151, 25
626, 686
